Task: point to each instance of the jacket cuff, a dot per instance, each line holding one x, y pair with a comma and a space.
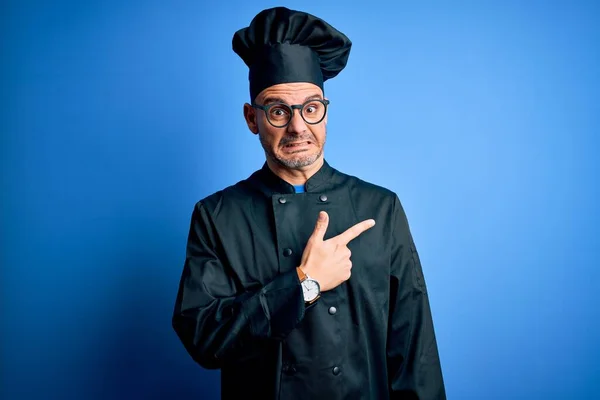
277, 308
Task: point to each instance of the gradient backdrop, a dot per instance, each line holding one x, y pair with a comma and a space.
118, 116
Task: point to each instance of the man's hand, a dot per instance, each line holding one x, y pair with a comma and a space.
328, 261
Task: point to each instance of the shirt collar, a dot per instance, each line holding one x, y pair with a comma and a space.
272, 183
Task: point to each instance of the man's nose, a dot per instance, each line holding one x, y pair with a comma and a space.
297, 124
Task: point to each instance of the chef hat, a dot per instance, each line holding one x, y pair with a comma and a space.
282, 46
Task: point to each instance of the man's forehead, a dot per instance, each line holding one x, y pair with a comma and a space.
290, 92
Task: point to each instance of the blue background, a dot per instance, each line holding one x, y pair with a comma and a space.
118, 116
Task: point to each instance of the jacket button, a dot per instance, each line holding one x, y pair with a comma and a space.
336, 370
287, 252
323, 198
289, 369
332, 310
282, 200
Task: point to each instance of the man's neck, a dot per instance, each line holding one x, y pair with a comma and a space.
295, 176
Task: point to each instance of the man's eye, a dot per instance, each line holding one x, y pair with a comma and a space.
311, 108
279, 112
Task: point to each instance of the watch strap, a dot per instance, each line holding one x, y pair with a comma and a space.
301, 275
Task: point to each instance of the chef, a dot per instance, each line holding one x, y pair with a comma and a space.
302, 282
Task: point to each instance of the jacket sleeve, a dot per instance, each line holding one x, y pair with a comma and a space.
215, 318
414, 368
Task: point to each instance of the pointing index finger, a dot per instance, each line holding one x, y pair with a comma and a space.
354, 231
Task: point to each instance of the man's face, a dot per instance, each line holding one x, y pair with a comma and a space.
298, 144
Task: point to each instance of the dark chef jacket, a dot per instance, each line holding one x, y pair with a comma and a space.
240, 306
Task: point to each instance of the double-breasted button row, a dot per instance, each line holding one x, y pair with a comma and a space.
283, 200
291, 369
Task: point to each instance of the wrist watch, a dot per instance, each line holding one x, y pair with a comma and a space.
310, 288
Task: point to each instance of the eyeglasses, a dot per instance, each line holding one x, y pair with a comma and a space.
279, 114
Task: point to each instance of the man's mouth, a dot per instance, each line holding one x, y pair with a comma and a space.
297, 144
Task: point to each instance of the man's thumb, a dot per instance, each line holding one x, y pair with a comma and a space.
321, 225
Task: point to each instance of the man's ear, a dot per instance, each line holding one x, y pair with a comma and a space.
250, 117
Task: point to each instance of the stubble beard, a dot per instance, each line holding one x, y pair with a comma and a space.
295, 161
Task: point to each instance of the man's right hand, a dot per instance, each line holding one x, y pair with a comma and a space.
328, 261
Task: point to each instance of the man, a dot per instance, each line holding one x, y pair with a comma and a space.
289, 286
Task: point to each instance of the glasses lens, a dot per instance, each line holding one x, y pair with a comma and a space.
313, 111
279, 114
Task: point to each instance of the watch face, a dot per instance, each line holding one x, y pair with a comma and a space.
310, 289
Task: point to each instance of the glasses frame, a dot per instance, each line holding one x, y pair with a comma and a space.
292, 107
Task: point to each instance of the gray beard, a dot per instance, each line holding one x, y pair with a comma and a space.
297, 162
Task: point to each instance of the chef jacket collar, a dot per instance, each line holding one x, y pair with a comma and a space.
274, 184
